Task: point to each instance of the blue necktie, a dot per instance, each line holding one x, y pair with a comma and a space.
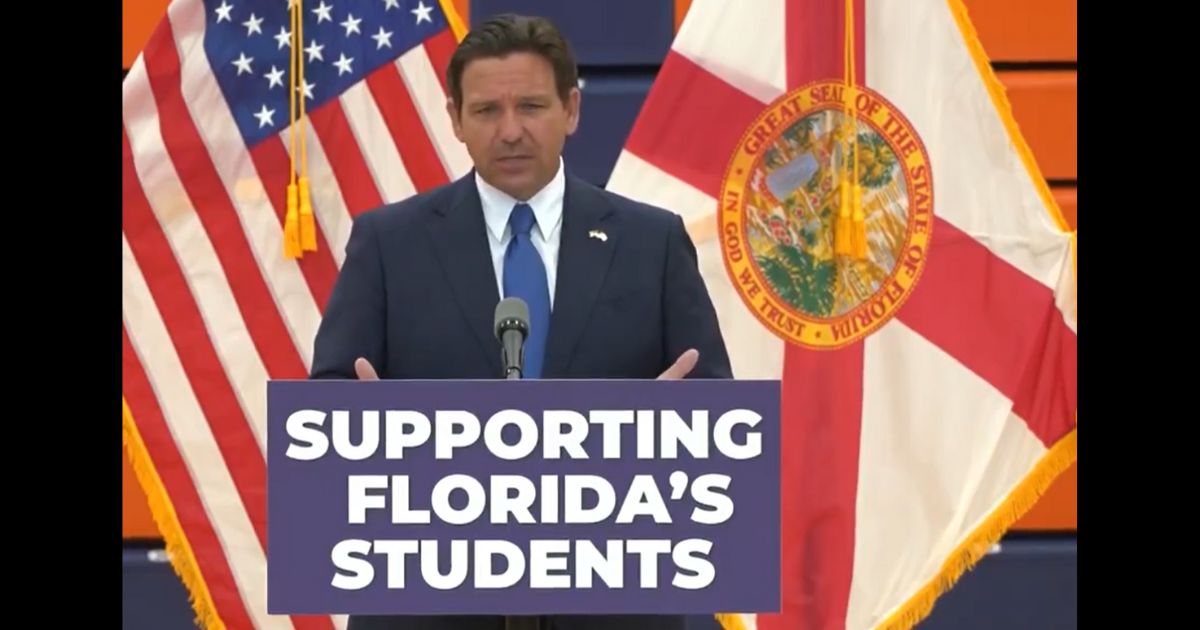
525, 277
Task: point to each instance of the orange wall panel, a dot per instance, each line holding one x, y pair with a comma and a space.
464, 11
1056, 510
136, 521
1044, 104
1068, 201
1010, 30
681, 9
138, 19
1026, 30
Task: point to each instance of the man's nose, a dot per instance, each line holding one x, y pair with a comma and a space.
511, 129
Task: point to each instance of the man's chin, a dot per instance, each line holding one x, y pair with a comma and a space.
520, 185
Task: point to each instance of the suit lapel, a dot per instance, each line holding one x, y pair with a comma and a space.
583, 263
459, 238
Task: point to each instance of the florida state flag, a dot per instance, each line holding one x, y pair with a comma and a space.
876, 233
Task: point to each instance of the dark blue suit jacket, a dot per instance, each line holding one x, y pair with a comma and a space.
417, 292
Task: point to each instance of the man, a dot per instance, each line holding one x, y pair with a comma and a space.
612, 285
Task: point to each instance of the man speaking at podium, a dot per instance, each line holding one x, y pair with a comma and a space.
612, 285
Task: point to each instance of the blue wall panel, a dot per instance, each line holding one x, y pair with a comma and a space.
619, 45
152, 596
1030, 584
608, 109
612, 32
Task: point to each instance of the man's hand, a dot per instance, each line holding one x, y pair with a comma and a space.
363, 369
683, 365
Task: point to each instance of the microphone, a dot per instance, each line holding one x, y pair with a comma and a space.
511, 328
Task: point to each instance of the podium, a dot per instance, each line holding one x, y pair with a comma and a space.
532, 497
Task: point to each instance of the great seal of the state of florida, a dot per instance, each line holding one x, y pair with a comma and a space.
819, 261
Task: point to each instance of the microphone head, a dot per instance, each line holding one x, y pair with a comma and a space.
511, 314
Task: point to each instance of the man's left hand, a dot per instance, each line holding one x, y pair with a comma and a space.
682, 366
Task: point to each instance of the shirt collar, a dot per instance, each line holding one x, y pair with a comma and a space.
547, 205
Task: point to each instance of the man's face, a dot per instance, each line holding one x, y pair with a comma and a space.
513, 122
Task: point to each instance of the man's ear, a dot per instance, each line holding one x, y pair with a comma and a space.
455, 118
574, 97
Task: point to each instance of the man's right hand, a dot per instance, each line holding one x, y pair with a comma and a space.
363, 369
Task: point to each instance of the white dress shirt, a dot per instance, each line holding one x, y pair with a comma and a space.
547, 207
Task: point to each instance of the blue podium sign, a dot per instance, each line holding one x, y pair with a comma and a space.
523, 497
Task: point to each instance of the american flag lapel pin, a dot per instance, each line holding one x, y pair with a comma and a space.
599, 235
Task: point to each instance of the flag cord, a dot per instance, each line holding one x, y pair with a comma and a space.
299, 227
308, 236
850, 238
291, 223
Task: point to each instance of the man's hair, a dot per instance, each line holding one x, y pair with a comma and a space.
506, 34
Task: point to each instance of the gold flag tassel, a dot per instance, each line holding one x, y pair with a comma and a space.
308, 226
850, 236
858, 240
844, 226
291, 224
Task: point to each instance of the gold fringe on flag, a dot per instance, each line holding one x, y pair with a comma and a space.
997, 91
457, 25
730, 621
977, 545
1018, 502
183, 561
1065, 452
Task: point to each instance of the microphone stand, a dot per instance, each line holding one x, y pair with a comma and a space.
519, 622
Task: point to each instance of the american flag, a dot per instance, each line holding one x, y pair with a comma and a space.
212, 306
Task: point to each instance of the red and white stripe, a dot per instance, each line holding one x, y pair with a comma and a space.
898, 447
212, 309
